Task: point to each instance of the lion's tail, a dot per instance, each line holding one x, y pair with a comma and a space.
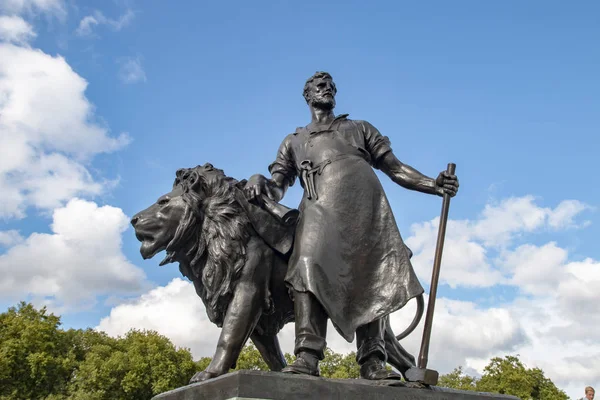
398, 357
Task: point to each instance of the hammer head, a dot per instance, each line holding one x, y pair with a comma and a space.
422, 375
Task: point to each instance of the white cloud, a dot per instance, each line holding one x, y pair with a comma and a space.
50, 7
499, 223
578, 298
10, 238
535, 270
79, 260
562, 216
176, 311
550, 324
48, 133
87, 24
131, 70
561, 339
173, 310
15, 30
556, 311
460, 328
466, 260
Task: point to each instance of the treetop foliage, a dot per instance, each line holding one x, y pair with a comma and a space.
40, 360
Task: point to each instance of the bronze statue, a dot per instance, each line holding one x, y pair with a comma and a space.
236, 255
257, 265
349, 262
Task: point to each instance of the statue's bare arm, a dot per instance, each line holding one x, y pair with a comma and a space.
409, 178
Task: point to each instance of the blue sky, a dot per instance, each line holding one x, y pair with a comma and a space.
506, 90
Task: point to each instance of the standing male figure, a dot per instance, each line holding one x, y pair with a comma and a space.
349, 262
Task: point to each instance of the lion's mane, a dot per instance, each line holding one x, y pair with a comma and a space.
213, 234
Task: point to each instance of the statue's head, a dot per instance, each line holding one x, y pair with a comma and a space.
320, 91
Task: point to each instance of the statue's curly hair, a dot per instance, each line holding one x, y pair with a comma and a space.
317, 75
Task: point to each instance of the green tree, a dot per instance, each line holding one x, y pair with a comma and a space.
544, 388
138, 366
334, 365
202, 363
339, 366
38, 360
250, 359
457, 379
506, 375
35, 358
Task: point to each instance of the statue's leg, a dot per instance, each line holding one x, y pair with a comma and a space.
396, 354
243, 312
268, 346
311, 331
371, 354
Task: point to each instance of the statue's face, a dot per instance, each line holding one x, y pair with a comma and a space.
322, 94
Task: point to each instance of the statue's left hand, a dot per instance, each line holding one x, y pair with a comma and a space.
446, 183
257, 186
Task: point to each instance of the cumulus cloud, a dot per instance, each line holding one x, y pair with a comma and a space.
465, 259
10, 238
16, 30
89, 22
80, 260
536, 270
469, 244
549, 321
563, 215
48, 133
173, 310
550, 324
460, 329
561, 338
500, 223
50, 7
578, 298
131, 70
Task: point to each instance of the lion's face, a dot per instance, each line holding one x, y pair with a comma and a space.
155, 226
172, 223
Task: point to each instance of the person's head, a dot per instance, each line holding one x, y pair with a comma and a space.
320, 91
589, 393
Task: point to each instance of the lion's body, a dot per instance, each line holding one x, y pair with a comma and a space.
238, 276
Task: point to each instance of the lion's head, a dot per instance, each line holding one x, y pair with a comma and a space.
201, 225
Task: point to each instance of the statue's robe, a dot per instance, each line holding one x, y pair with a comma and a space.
347, 249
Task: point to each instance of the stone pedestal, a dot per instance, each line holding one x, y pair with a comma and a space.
259, 385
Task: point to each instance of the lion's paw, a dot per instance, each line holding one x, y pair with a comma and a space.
201, 376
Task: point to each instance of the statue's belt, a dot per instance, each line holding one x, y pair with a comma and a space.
308, 171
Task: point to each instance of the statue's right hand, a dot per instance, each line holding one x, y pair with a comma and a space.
257, 186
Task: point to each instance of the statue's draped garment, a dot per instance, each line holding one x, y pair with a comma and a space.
347, 250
